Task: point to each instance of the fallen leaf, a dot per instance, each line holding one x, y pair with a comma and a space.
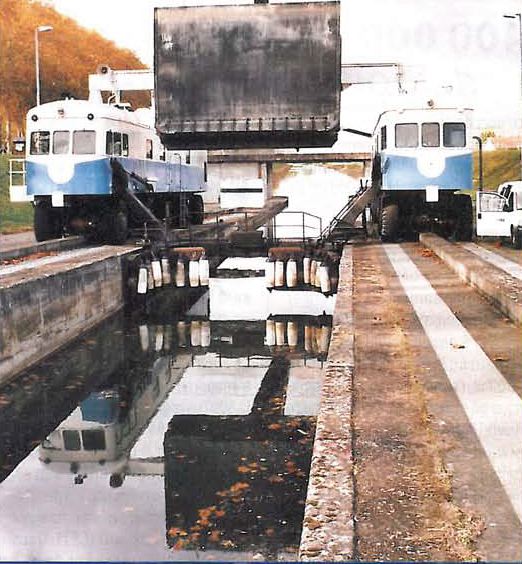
458, 346
239, 486
274, 426
214, 536
274, 479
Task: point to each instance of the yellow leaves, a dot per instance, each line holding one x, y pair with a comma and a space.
239, 487
227, 544
274, 426
206, 511
177, 532
251, 468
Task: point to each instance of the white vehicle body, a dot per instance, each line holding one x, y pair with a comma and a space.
499, 214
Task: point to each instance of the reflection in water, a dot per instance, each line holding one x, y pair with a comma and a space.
192, 431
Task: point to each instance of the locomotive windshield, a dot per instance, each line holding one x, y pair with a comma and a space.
406, 135
430, 135
84, 142
454, 135
61, 142
40, 141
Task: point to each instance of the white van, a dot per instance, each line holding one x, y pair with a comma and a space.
499, 214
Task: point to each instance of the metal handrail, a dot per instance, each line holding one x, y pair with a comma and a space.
303, 225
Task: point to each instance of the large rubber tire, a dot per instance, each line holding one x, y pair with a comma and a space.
196, 210
47, 223
389, 222
464, 219
516, 237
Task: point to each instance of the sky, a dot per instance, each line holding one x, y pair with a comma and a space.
465, 47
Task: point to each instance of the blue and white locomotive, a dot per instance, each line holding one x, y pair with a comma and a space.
421, 158
100, 168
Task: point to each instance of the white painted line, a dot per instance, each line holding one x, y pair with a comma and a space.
509, 266
44, 261
492, 406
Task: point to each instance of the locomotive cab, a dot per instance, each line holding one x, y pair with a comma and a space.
72, 149
422, 158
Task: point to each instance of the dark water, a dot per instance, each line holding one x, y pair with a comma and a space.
179, 435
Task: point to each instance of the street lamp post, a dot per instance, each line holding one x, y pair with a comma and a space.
39, 29
519, 17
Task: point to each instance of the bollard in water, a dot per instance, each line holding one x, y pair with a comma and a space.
150, 277
291, 273
270, 273
195, 333
204, 271
182, 336
205, 333
279, 274
306, 270
165, 270
158, 341
280, 327
194, 273
180, 273
142, 279
144, 337
324, 277
156, 273
270, 337
293, 334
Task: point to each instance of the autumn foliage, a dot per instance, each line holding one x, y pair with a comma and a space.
67, 56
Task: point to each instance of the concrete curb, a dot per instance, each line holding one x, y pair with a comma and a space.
45, 247
502, 289
328, 526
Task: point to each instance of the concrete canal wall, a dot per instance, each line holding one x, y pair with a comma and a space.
41, 311
328, 527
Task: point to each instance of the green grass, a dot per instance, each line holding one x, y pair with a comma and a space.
499, 166
14, 217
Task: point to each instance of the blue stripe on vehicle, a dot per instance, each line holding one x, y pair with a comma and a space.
94, 178
91, 178
401, 173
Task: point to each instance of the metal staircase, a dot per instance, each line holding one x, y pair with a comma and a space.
344, 221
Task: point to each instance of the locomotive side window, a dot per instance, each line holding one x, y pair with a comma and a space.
84, 142
40, 141
116, 143
61, 142
430, 134
71, 440
454, 135
406, 135
384, 141
148, 154
116, 147
93, 439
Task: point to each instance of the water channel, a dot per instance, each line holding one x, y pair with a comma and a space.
182, 434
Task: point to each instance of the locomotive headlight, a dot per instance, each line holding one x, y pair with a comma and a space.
90, 117
34, 117
61, 112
